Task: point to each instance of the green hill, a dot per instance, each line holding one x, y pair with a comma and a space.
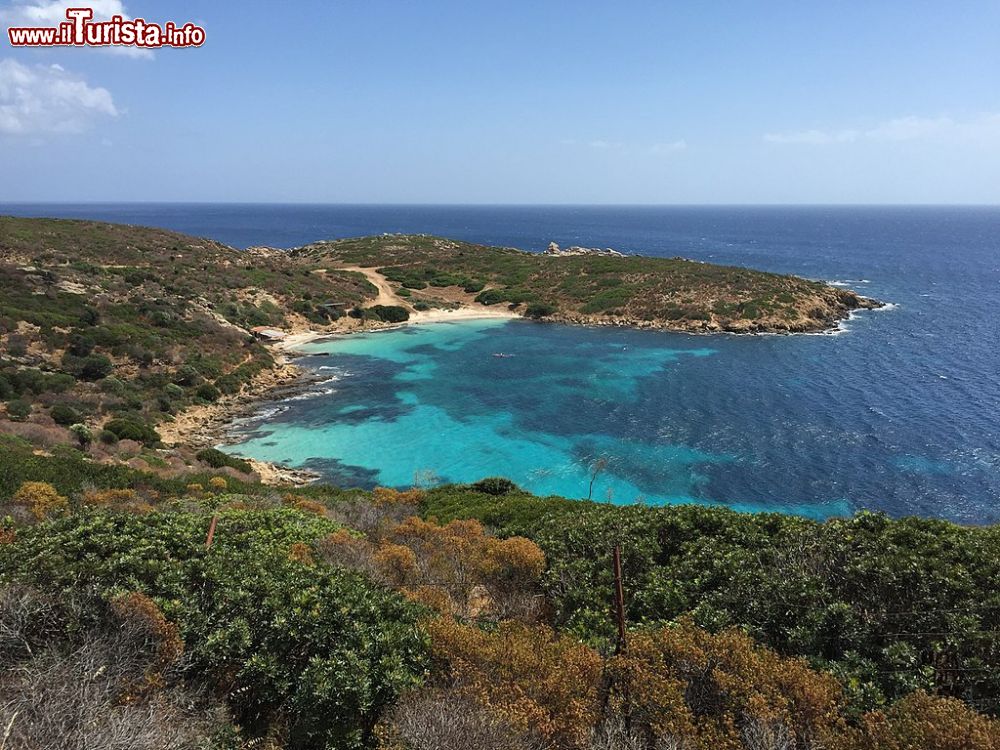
595, 288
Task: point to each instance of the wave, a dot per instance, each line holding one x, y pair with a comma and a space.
848, 282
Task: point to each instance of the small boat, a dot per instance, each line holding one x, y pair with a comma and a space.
501, 355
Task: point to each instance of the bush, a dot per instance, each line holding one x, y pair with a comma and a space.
318, 651
107, 437
538, 310
450, 720
495, 486
217, 459
80, 344
42, 499
65, 415
90, 368
208, 392
187, 375
133, 428
18, 410
529, 676
861, 597
457, 568
491, 297
389, 313
85, 673
82, 434
172, 390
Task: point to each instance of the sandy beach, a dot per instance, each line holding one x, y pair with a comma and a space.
208, 424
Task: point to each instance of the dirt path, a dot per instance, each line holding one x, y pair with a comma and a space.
386, 296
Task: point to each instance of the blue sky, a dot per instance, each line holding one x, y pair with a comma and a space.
519, 102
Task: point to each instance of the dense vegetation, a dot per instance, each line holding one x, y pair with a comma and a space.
317, 650
119, 328
890, 606
285, 631
635, 290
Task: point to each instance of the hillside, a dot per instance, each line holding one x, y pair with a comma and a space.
595, 288
120, 328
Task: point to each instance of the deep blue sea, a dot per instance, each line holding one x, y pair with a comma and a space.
899, 412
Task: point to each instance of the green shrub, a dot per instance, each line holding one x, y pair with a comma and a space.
187, 376
133, 428
320, 650
229, 384
82, 434
495, 486
208, 392
872, 599
65, 414
80, 344
389, 313
114, 386
90, 368
538, 310
107, 437
18, 410
491, 297
217, 459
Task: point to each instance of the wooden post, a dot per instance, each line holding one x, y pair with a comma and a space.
619, 600
211, 530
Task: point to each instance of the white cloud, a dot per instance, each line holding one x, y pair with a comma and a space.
53, 12
47, 99
899, 129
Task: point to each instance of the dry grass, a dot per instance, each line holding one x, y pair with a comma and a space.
65, 693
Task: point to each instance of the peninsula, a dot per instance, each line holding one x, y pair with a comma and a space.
590, 287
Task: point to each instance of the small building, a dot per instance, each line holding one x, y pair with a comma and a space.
266, 333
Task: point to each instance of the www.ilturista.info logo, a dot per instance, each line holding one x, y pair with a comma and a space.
80, 30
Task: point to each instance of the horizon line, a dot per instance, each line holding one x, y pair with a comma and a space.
348, 204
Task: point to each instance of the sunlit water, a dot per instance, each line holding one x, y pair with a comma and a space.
901, 412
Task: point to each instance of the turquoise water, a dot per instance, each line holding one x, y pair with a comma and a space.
435, 403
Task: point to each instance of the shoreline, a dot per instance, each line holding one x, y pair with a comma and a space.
290, 345
214, 423
210, 425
